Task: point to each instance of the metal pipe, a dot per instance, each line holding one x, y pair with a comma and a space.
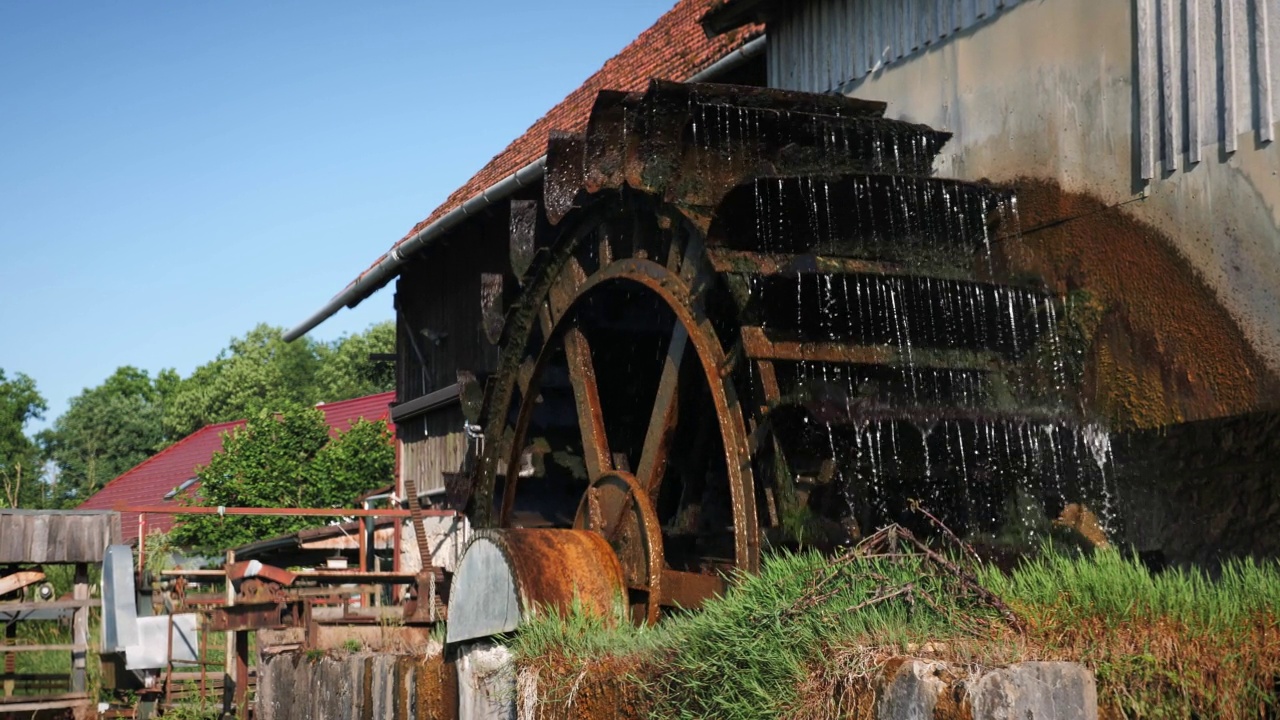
308, 512
389, 264
369, 530
731, 61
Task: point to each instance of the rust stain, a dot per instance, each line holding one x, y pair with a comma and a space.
1166, 350
606, 687
435, 683
556, 567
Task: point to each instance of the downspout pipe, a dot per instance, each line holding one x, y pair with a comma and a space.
389, 265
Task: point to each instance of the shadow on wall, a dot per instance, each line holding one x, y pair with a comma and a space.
1202, 492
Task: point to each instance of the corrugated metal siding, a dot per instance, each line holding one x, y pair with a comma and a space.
1205, 76
827, 45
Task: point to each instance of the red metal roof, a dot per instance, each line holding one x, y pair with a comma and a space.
675, 48
149, 481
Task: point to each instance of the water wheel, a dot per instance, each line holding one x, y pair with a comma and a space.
748, 313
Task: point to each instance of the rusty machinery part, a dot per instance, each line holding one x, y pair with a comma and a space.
617, 507
660, 354
247, 569
255, 616
506, 576
255, 591
428, 596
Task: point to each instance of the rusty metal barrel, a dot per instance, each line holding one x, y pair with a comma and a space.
507, 576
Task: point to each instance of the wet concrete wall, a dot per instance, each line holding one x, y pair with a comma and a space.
1202, 492
356, 686
1186, 265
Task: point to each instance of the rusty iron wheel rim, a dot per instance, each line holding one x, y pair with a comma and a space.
678, 290
641, 574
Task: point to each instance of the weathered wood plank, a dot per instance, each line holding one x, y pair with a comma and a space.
80, 630
56, 536
1169, 77
20, 579
16, 607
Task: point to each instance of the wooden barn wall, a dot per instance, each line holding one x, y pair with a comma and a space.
1206, 76
432, 444
827, 45
438, 333
426, 457
438, 307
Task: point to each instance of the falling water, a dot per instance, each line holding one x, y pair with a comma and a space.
939, 342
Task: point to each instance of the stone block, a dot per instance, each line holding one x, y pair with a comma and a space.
912, 691
1036, 691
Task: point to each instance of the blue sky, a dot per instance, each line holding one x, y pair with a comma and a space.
173, 173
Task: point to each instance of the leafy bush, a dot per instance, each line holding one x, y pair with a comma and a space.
284, 460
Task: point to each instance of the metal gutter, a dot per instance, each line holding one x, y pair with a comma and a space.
447, 395
749, 49
389, 264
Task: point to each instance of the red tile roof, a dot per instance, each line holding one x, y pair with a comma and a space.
674, 48
149, 481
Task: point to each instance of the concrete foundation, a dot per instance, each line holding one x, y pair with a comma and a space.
358, 686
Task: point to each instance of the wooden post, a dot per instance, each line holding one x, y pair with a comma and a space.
242, 675
364, 548
398, 525
142, 546
230, 686
10, 659
80, 630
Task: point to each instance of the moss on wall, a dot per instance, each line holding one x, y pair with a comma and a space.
1158, 347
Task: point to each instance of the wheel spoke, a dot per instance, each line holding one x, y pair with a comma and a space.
662, 421
582, 373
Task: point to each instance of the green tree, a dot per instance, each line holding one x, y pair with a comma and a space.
21, 476
283, 460
261, 371
106, 430
345, 368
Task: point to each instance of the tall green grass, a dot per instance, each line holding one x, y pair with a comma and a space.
1174, 644
1118, 588
745, 655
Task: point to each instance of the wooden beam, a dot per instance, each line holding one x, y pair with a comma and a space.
759, 346
27, 703
582, 374
662, 419
741, 261
16, 607
19, 579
